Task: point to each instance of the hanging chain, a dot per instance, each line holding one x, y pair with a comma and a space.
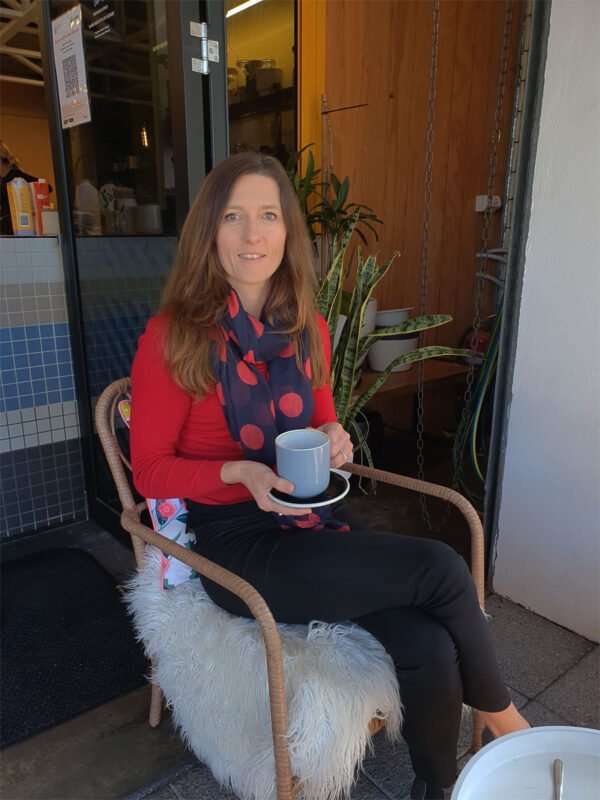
425, 247
515, 144
487, 225
493, 162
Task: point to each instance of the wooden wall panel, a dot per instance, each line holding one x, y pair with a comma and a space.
378, 55
311, 76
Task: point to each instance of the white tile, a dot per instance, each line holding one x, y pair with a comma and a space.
17, 444
3, 431
22, 245
9, 261
55, 409
27, 414
70, 407
14, 430
58, 435
38, 260
38, 245
72, 433
3, 418
52, 259
24, 259
30, 428
57, 422
54, 273
43, 424
4, 446
41, 412
7, 245
13, 416
45, 438
70, 420
27, 274
32, 441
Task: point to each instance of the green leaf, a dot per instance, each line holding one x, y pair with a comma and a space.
342, 194
421, 354
415, 325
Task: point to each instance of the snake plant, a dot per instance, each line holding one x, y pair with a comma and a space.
346, 357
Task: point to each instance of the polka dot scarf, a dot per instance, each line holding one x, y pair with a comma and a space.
256, 408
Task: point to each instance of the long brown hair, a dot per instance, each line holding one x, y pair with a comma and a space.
196, 292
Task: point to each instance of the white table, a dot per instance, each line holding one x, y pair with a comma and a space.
519, 766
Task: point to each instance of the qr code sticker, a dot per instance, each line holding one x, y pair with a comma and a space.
71, 76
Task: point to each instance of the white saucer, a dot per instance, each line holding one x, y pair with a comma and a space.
338, 488
519, 766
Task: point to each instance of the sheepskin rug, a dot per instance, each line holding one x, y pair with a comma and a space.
211, 667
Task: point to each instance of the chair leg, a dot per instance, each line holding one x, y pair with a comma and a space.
478, 727
156, 702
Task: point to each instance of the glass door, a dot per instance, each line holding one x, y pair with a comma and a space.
261, 76
158, 123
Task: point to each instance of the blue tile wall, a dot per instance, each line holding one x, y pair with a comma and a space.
41, 467
36, 365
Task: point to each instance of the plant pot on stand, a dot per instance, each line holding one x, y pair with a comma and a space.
386, 349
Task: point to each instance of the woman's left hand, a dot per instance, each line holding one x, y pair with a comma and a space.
340, 444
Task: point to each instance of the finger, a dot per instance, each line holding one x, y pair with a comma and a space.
291, 511
342, 456
277, 508
283, 485
339, 460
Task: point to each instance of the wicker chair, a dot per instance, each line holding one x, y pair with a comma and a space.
141, 535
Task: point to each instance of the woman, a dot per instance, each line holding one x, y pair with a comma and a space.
238, 354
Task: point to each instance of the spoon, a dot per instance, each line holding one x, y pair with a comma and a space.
558, 778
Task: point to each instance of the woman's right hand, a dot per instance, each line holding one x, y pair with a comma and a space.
259, 480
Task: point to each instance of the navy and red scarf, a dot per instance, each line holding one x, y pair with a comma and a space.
258, 407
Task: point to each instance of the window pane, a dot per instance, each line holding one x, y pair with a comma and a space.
120, 163
261, 76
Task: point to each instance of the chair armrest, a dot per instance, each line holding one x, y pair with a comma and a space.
443, 493
259, 610
228, 580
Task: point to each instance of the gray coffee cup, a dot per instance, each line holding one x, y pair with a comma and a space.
303, 458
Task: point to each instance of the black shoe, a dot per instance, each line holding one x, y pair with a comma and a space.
420, 791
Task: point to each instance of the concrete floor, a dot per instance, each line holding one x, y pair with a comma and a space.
111, 752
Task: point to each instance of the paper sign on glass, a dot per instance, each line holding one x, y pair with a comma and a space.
69, 62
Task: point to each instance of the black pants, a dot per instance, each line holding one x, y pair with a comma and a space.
416, 596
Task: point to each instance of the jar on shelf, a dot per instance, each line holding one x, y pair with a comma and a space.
233, 84
268, 78
241, 70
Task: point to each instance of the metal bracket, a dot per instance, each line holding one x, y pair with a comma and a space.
209, 48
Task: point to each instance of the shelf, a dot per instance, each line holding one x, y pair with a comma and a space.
436, 371
276, 101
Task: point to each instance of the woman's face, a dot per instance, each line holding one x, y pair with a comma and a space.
251, 235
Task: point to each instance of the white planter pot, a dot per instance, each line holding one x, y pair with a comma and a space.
384, 351
394, 316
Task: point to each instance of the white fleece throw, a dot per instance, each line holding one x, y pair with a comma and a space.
211, 667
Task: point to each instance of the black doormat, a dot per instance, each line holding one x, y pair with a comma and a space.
67, 644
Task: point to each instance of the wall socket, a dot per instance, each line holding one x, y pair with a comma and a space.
482, 202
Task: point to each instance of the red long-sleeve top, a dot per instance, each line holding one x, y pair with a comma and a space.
178, 445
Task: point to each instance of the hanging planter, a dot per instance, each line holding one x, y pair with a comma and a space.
351, 344
387, 349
